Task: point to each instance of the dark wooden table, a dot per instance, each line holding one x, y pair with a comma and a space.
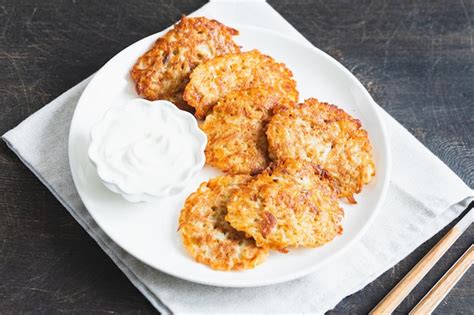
415, 57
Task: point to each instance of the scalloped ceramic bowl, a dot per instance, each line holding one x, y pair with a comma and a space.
124, 175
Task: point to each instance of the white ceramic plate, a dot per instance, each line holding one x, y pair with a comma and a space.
148, 231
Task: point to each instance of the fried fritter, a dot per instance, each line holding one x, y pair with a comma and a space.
236, 141
208, 237
218, 77
327, 136
163, 71
288, 205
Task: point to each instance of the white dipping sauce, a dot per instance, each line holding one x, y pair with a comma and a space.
147, 147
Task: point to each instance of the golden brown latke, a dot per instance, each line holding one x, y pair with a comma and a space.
288, 205
327, 136
208, 237
218, 77
163, 71
236, 141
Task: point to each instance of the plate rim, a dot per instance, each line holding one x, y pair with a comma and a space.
289, 276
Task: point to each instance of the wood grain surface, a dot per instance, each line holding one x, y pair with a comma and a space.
416, 58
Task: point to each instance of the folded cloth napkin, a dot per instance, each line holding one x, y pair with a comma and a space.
423, 197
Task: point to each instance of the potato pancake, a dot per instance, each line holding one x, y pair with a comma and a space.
235, 130
216, 78
289, 205
208, 237
327, 136
163, 71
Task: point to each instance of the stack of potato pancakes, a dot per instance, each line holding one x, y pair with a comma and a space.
286, 163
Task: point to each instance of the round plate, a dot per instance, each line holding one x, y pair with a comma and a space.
148, 231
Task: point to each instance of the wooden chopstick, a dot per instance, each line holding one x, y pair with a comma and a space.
406, 285
431, 300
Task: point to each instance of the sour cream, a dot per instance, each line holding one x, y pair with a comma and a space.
145, 150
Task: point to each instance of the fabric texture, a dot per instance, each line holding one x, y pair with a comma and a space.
424, 196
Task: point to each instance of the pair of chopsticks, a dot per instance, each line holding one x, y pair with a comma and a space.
432, 299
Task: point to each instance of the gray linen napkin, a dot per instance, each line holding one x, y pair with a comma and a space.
423, 197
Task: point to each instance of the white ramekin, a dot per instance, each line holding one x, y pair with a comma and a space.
115, 183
